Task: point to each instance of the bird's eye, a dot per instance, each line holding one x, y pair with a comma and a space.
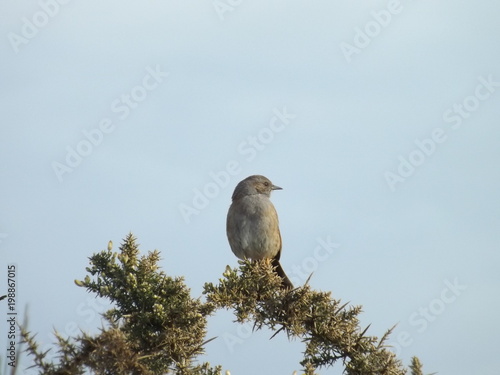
266, 183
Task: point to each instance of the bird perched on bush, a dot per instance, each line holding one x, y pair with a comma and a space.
252, 225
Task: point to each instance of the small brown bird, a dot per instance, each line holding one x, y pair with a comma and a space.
252, 225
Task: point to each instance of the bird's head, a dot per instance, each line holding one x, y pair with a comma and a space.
252, 185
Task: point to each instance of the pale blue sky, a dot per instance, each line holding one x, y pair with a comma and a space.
380, 121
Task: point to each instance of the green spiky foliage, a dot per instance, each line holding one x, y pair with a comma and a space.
156, 327
329, 328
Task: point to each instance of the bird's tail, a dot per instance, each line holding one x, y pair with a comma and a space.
286, 283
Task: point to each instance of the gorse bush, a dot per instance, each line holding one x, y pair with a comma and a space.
157, 327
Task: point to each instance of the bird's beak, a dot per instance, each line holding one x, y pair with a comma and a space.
274, 187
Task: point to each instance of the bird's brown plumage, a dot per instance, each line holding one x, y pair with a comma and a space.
252, 225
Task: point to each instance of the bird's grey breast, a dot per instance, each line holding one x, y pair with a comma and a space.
253, 229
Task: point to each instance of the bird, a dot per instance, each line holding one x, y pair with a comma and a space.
252, 225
